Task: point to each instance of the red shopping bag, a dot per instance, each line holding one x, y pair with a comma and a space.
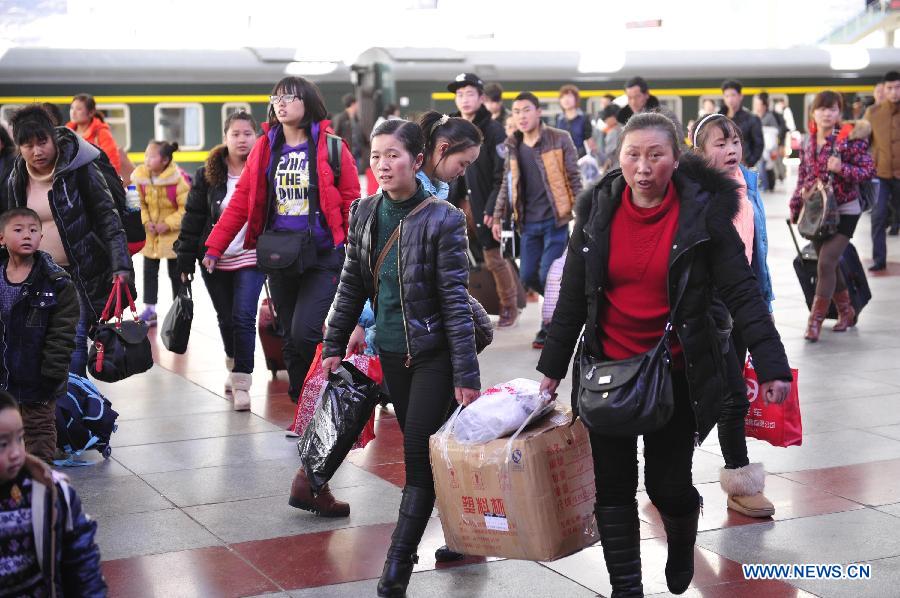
314, 385
779, 425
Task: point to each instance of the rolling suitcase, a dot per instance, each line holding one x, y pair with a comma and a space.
484, 289
270, 335
806, 266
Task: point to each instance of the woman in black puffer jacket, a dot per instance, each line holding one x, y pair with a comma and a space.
653, 247
56, 176
426, 335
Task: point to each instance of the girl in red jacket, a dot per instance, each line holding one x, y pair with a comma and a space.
89, 123
290, 201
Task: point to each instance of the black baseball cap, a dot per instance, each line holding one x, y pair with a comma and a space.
464, 79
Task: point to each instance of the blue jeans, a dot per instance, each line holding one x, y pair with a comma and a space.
542, 242
78, 365
235, 297
888, 197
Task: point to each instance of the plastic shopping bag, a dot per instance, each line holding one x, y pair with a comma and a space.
779, 425
314, 386
348, 401
499, 411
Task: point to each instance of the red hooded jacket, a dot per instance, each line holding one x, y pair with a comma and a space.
248, 204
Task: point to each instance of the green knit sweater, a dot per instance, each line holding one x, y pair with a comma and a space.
390, 335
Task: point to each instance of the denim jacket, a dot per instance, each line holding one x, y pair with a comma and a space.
760, 237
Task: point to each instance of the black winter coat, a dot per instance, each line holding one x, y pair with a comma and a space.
707, 261
484, 176
85, 214
36, 343
434, 276
751, 132
202, 209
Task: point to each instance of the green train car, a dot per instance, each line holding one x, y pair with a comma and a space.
185, 96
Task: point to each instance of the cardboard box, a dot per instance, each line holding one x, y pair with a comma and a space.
532, 498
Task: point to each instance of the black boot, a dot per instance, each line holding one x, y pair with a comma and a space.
620, 535
445, 555
681, 533
415, 509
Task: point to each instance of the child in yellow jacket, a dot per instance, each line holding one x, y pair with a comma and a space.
163, 192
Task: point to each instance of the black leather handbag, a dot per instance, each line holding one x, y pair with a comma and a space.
628, 397
285, 252
121, 347
176, 328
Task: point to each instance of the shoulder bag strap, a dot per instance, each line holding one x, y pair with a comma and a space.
393, 239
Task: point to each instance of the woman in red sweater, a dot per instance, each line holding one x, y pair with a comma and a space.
652, 245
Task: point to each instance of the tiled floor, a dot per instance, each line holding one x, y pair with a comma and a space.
193, 501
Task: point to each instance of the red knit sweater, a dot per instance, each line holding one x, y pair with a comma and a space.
636, 309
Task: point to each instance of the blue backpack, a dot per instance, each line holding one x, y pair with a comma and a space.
85, 419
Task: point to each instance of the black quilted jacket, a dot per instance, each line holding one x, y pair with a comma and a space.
85, 214
434, 273
706, 262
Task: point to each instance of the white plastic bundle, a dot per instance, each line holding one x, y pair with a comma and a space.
499, 411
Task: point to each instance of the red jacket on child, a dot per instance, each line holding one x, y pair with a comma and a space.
249, 203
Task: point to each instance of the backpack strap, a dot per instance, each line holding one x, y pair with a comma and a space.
334, 143
172, 192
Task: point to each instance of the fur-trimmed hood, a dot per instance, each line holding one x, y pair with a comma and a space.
216, 172
169, 176
694, 180
862, 129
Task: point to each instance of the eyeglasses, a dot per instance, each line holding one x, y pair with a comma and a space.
287, 98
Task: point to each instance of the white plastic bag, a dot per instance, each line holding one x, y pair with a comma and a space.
499, 411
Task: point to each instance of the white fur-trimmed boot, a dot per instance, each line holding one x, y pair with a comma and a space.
240, 384
744, 487
229, 365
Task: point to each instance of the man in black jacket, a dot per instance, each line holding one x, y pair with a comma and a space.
481, 184
639, 99
750, 125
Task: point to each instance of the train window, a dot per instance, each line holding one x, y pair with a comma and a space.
7, 111
672, 104
118, 117
808, 100
716, 100
179, 122
229, 108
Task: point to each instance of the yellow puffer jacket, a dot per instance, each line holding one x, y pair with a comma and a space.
156, 207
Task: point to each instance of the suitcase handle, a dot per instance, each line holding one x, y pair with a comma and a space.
794, 237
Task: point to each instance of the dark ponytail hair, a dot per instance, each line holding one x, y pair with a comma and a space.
409, 134
166, 149
313, 105
89, 103
458, 132
32, 123
240, 115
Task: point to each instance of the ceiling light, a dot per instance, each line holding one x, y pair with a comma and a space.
310, 68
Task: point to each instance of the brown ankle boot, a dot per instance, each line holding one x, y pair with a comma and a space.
816, 317
846, 313
322, 502
508, 317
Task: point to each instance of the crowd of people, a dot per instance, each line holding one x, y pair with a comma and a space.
669, 244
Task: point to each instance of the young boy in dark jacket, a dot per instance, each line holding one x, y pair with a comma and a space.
46, 542
38, 314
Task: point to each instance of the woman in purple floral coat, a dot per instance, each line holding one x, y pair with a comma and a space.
839, 153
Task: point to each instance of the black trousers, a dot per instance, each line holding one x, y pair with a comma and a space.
151, 279
423, 399
301, 304
668, 455
732, 437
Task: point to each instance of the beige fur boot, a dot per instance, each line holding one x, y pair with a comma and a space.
744, 487
229, 365
240, 384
